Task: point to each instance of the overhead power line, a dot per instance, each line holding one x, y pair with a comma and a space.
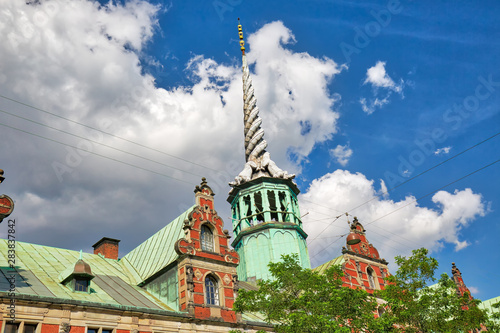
97, 154
424, 196
442, 187
104, 132
408, 180
115, 136
99, 143
425, 171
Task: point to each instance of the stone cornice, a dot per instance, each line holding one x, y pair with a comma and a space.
381, 261
268, 225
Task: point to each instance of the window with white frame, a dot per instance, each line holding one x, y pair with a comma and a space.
207, 239
211, 291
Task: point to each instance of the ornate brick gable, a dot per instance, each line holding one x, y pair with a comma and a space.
363, 267
459, 282
206, 260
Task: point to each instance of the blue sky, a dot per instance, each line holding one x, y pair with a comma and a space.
356, 98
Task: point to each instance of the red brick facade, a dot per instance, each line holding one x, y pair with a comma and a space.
196, 263
363, 267
76, 329
50, 328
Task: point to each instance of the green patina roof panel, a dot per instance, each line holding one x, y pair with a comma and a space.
122, 292
488, 305
157, 251
334, 262
38, 269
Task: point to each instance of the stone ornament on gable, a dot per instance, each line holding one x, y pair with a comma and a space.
183, 246
227, 279
232, 257
198, 274
64, 327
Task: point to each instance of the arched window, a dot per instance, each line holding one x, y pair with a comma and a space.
371, 280
211, 291
207, 239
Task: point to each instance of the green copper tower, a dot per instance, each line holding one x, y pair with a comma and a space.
263, 198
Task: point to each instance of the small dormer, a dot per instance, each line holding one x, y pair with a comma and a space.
78, 278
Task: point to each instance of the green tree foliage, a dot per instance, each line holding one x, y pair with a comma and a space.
300, 300
414, 306
494, 324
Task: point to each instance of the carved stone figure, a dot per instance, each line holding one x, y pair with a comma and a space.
245, 175
64, 327
189, 278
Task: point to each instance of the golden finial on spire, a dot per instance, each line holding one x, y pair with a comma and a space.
240, 33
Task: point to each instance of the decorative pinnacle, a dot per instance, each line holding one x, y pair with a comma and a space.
255, 144
240, 33
258, 161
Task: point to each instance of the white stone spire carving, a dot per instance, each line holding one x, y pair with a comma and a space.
255, 144
258, 160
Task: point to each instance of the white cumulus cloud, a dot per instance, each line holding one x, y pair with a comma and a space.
83, 61
383, 84
342, 154
378, 77
398, 226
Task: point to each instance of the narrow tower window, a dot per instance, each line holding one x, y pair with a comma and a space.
282, 199
248, 204
272, 205
211, 291
207, 239
260, 208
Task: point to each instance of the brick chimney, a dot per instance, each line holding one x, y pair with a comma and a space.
108, 247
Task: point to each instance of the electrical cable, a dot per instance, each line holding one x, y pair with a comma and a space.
104, 132
426, 195
94, 153
115, 136
453, 182
425, 171
99, 143
408, 180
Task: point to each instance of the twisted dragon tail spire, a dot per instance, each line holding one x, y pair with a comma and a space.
258, 161
255, 145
